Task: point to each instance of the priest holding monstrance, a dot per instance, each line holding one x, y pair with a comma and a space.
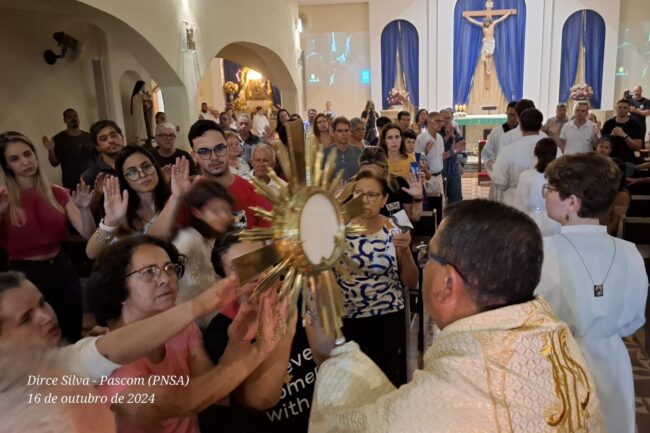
501, 363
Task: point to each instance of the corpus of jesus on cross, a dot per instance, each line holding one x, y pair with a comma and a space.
488, 25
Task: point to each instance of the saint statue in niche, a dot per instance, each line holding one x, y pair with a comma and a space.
488, 25
141, 113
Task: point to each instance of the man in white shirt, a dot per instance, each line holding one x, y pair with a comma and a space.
579, 135
491, 148
263, 161
517, 157
260, 122
431, 144
206, 113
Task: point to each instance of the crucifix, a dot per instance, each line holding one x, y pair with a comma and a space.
487, 25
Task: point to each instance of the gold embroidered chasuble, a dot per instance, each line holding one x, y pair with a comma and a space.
514, 369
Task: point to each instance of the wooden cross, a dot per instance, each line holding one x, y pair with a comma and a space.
489, 12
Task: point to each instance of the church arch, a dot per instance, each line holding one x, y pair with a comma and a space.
400, 61
266, 62
583, 54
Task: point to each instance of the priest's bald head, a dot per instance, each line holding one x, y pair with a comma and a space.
485, 255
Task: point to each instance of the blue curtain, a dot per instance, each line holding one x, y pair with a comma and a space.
389, 44
230, 71
583, 28
277, 96
409, 60
467, 49
571, 37
595, 55
510, 36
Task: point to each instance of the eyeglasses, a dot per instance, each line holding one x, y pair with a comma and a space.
152, 273
135, 173
546, 188
167, 136
370, 196
444, 262
206, 153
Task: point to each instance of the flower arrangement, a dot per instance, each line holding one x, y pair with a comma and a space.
397, 97
230, 87
239, 105
581, 92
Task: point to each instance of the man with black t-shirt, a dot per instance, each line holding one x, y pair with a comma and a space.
72, 148
625, 133
640, 109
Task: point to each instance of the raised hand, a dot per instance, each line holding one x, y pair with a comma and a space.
415, 186
402, 241
180, 175
219, 295
47, 143
82, 196
4, 199
115, 203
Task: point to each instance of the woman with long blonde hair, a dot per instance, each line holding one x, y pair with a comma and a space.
35, 216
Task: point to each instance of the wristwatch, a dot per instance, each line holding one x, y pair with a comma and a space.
625, 137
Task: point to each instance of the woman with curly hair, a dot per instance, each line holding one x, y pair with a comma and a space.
137, 278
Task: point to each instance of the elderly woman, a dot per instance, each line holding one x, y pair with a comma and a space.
594, 282
238, 165
35, 216
137, 278
374, 299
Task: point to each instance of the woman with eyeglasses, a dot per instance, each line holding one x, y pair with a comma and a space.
137, 278
35, 216
374, 299
594, 282
238, 165
137, 200
403, 193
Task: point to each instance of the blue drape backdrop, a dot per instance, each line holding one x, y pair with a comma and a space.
409, 56
583, 28
403, 36
510, 38
467, 49
595, 58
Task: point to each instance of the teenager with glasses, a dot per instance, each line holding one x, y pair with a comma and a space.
35, 217
136, 279
374, 295
137, 200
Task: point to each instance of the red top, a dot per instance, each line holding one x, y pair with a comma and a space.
44, 229
245, 197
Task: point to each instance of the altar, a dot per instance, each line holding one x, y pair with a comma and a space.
476, 127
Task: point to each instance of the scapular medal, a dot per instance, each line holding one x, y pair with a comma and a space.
599, 290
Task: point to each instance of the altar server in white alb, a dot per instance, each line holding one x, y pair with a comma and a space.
502, 362
594, 282
518, 156
491, 148
516, 134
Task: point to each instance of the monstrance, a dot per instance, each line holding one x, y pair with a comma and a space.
309, 222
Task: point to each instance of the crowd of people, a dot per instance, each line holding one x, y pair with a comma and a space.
524, 287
